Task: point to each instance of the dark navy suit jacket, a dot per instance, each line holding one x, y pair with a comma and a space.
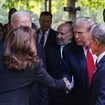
16, 86
97, 90
75, 64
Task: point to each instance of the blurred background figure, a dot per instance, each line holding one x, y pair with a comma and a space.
104, 15
2, 36
8, 27
34, 27
70, 22
46, 32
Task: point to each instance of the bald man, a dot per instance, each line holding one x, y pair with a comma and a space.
54, 65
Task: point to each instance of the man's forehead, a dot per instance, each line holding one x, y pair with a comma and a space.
80, 26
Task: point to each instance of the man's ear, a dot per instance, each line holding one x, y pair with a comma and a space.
97, 41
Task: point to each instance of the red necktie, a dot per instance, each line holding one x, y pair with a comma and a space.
90, 64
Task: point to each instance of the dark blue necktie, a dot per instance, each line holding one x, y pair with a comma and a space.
42, 38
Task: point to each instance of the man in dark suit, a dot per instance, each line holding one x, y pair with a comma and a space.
46, 30
54, 63
97, 88
46, 36
75, 59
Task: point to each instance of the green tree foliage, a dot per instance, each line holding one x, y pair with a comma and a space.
27, 4
92, 8
93, 5
88, 7
36, 4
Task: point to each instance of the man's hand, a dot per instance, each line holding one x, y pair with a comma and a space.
69, 85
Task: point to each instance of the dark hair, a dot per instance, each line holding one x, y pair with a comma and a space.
34, 26
11, 11
46, 13
1, 31
103, 10
18, 51
69, 22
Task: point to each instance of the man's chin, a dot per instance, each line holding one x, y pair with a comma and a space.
60, 43
79, 44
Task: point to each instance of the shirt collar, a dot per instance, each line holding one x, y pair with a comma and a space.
100, 57
46, 32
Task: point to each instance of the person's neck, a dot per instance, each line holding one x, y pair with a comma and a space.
101, 50
85, 44
45, 30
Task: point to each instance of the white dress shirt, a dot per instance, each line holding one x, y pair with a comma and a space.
61, 50
40, 36
100, 57
85, 52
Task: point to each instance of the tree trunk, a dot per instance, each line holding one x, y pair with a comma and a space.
71, 3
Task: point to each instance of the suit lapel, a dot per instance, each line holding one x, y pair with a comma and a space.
99, 65
51, 39
82, 69
97, 69
81, 58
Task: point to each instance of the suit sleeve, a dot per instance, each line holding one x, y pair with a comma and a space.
42, 77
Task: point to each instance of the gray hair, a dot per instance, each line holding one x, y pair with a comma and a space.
98, 33
67, 25
84, 21
20, 15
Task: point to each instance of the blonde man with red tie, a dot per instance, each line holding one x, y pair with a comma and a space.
79, 61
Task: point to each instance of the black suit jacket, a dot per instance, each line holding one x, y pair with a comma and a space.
97, 90
15, 86
43, 91
51, 38
75, 64
55, 69
53, 61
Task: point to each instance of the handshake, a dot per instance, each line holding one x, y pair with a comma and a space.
69, 85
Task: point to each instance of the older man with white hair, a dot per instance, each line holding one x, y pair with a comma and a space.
21, 18
97, 89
